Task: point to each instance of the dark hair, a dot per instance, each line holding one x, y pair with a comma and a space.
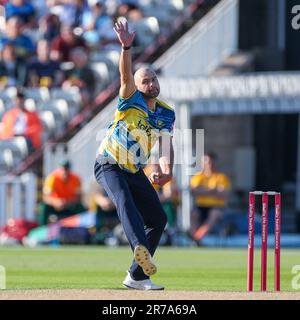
20, 93
212, 155
66, 164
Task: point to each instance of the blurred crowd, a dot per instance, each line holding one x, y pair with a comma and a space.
48, 43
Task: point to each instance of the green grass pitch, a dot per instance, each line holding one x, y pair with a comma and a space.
199, 269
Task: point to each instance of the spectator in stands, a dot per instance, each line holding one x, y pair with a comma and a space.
64, 43
72, 12
210, 189
13, 70
23, 45
21, 122
49, 26
44, 72
106, 213
61, 195
98, 27
130, 10
81, 75
22, 9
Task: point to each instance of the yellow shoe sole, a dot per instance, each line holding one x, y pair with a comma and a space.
143, 259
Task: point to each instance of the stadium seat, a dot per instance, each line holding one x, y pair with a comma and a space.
62, 106
18, 147
7, 101
110, 57
102, 74
59, 108
11, 92
71, 95
6, 161
147, 30
113, 56
165, 12
31, 104
174, 7
48, 120
2, 108
37, 94
146, 3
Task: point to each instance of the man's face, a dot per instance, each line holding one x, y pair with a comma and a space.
208, 163
146, 82
43, 50
17, 2
13, 27
20, 103
8, 53
67, 34
65, 173
79, 57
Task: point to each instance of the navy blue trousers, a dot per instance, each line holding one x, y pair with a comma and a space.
138, 206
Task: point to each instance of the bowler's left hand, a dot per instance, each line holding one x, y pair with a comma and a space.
160, 178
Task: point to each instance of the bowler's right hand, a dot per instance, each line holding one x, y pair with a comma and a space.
125, 37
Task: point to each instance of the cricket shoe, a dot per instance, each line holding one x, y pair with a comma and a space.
143, 258
140, 284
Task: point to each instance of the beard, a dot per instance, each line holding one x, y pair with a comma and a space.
151, 94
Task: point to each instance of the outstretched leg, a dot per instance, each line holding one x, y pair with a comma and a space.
148, 204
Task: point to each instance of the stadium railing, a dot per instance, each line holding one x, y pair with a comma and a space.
18, 197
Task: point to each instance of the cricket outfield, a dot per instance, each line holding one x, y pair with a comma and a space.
76, 272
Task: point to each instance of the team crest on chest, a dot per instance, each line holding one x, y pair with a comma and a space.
159, 123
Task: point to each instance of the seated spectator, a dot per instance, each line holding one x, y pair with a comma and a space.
63, 44
61, 195
44, 72
72, 12
130, 10
81, 75
23, 45
210, 189
22, 9
98, 27
49, 26
21, 122
106, 213
13, 70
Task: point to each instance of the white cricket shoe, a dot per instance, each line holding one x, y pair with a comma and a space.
141, 284
143, 258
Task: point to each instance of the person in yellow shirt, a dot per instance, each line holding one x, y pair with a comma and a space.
210, 190
141, 120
